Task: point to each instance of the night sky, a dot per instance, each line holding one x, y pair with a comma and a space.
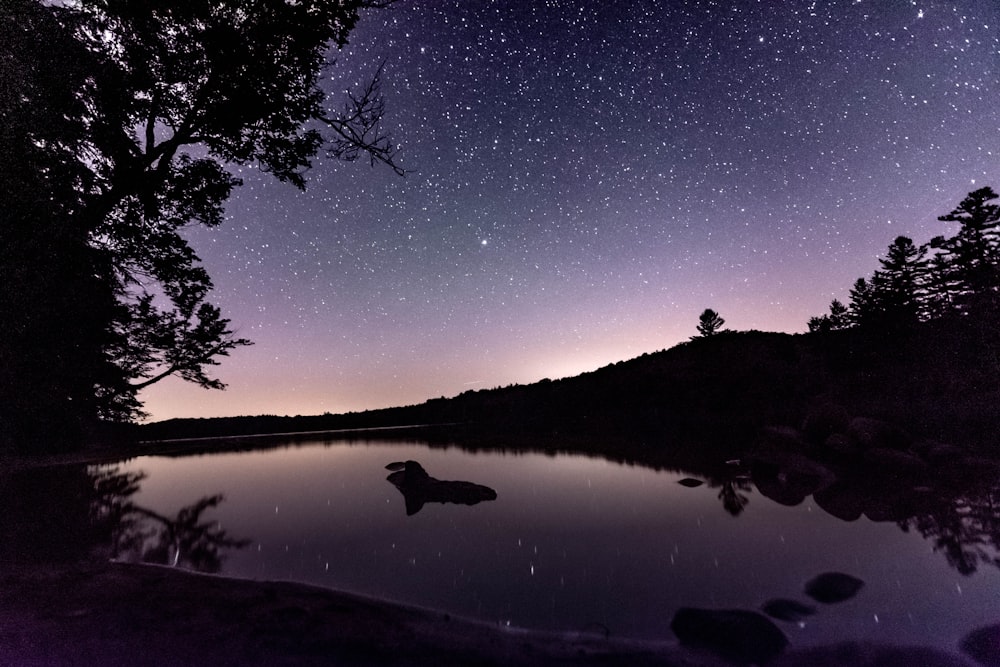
588, 176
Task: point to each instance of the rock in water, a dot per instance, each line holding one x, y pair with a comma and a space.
983, 645
831, 587
690, 482
734, 634
787, 610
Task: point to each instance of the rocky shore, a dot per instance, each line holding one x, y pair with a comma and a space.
112, 614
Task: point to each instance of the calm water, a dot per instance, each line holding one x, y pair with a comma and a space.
569, 543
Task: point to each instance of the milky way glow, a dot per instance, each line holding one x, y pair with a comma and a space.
587, 177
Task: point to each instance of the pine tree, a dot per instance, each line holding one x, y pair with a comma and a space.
973, 254
709, 323
899, 285
863, 309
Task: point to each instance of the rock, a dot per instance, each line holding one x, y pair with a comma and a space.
690, 482
419, 488
792, 611
870, 433
781, 439
841, 500
832, 587
788, 478
894, 464
894, 507
983, 645
734, 634
943, 454
824, 420
978, 469
841, 446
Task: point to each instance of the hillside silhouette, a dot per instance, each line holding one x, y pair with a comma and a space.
939, 382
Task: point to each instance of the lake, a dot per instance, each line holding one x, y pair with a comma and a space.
567, 543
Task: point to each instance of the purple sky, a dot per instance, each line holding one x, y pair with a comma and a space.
588, 177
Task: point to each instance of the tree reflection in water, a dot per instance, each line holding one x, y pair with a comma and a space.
70, 513
733, 501
143, 535
966, 529
957, 510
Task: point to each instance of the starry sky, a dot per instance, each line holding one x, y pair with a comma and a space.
587, 177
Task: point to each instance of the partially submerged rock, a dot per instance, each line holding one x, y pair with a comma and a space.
833, 587
735, 634
419, 488
824, 420
841, 500
690, 482
893, 463
875, 433
983, 645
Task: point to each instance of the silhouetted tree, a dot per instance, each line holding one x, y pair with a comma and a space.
709, 323
898, 286
838, 318
120, 123
864, 305
971, 258
57, 291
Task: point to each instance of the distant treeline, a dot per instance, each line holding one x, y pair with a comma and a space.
716, 391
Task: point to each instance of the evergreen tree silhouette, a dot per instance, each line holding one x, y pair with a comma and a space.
709, 323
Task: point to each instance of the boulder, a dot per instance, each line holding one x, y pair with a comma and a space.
870, 433
780, 439
824, 420
841, 447
833, 587
844, 501
983, 645
894, 464
789, 478
690, 482
735, 634
942, 454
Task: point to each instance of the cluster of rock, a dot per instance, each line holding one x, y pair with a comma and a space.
854, 466
743, 636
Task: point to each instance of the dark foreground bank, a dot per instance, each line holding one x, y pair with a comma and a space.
113, 614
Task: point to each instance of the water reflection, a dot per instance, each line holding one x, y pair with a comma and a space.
966, 529
139, 534
578, 542
181, 540
733, 501
419, 488
71, 513
956, 508
47, 516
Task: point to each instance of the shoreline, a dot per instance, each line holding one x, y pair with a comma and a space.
108, 614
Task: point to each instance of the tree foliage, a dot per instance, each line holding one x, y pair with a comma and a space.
709, 323
949, 276
121, 122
